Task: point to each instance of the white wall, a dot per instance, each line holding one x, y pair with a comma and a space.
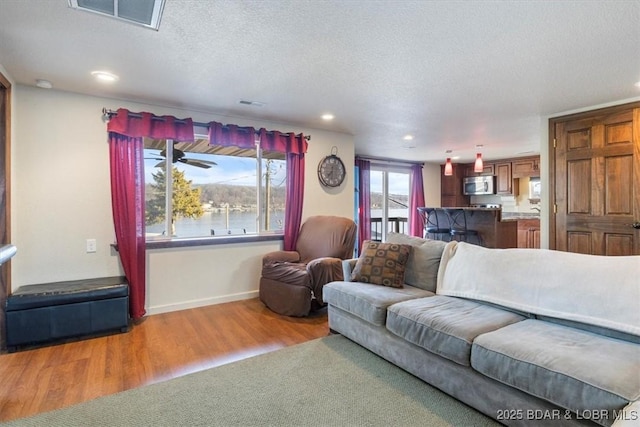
61, 196
432, 190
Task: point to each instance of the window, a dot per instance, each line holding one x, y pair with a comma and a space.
213, 190
389, 188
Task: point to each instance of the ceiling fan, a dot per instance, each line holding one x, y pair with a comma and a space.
179, 156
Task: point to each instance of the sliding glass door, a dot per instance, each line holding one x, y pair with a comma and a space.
389, 201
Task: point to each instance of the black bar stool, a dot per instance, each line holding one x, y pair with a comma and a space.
458, 226
432, 225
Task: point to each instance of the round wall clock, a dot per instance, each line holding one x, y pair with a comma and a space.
331, 171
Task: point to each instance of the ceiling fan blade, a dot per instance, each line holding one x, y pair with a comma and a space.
209, 162
196, 163
160, 165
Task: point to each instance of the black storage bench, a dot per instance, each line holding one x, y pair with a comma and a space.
51, 311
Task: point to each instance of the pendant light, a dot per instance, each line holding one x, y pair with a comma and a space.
448, 167
479, 166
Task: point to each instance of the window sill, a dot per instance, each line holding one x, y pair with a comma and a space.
209, 241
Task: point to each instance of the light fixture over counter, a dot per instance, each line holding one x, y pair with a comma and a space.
478, 166
448, 168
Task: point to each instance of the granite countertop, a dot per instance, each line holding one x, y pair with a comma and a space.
469, 208
516, 216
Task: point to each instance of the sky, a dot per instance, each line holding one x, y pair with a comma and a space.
398, 182
229, 169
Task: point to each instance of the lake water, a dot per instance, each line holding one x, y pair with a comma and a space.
236, 222
218, 221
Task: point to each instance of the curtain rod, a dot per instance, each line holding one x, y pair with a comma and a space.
382, 159
110, 113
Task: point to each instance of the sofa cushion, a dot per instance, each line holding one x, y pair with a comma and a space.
577, 370
446, 326
422, 267
382, 264
369, 302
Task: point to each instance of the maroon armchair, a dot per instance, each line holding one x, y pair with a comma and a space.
292, 281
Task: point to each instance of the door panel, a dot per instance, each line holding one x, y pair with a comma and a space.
617, 244
579, 198
579, 242
578, 138
618, 199
597, 182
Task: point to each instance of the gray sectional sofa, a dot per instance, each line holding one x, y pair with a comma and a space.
525, 336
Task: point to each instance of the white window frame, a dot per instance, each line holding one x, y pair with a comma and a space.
260, 210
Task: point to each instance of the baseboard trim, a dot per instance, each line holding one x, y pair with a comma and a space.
166, 308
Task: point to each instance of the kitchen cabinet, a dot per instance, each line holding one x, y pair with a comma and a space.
526, 167
529, 233
504, 179
487, 169
451, 188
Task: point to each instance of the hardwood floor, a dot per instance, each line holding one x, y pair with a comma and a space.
160, 347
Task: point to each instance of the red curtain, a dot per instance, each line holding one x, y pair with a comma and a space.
416, 200
126, 157
364, 200
294, 200
127, 204
293, 145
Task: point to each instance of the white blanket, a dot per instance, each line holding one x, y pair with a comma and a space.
597, 290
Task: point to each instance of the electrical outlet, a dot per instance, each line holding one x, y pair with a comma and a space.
91, 245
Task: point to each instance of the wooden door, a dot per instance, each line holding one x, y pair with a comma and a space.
597, 182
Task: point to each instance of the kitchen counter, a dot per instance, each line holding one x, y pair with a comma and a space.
494, 231
504, 216
519, 216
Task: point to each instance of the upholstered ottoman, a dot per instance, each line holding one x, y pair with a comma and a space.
51, 311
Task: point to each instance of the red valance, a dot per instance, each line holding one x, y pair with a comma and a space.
283, 142
244, 137
232, 135
147, 125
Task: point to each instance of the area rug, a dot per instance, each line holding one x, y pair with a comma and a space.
330, 381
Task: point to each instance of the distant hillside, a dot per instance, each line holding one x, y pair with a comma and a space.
245, 195
242, 195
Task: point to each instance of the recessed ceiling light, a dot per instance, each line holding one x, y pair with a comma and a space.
408, 137
44, 84
455, 157
328, 116
105, 76
449, 151
479, 145
637, 84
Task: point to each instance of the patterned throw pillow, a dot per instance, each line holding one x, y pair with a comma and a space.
382, 264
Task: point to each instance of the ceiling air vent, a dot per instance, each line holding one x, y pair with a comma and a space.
141, 12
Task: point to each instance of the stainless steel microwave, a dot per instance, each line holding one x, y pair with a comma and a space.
479, 185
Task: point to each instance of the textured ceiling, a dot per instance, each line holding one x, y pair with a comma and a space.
452, 73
